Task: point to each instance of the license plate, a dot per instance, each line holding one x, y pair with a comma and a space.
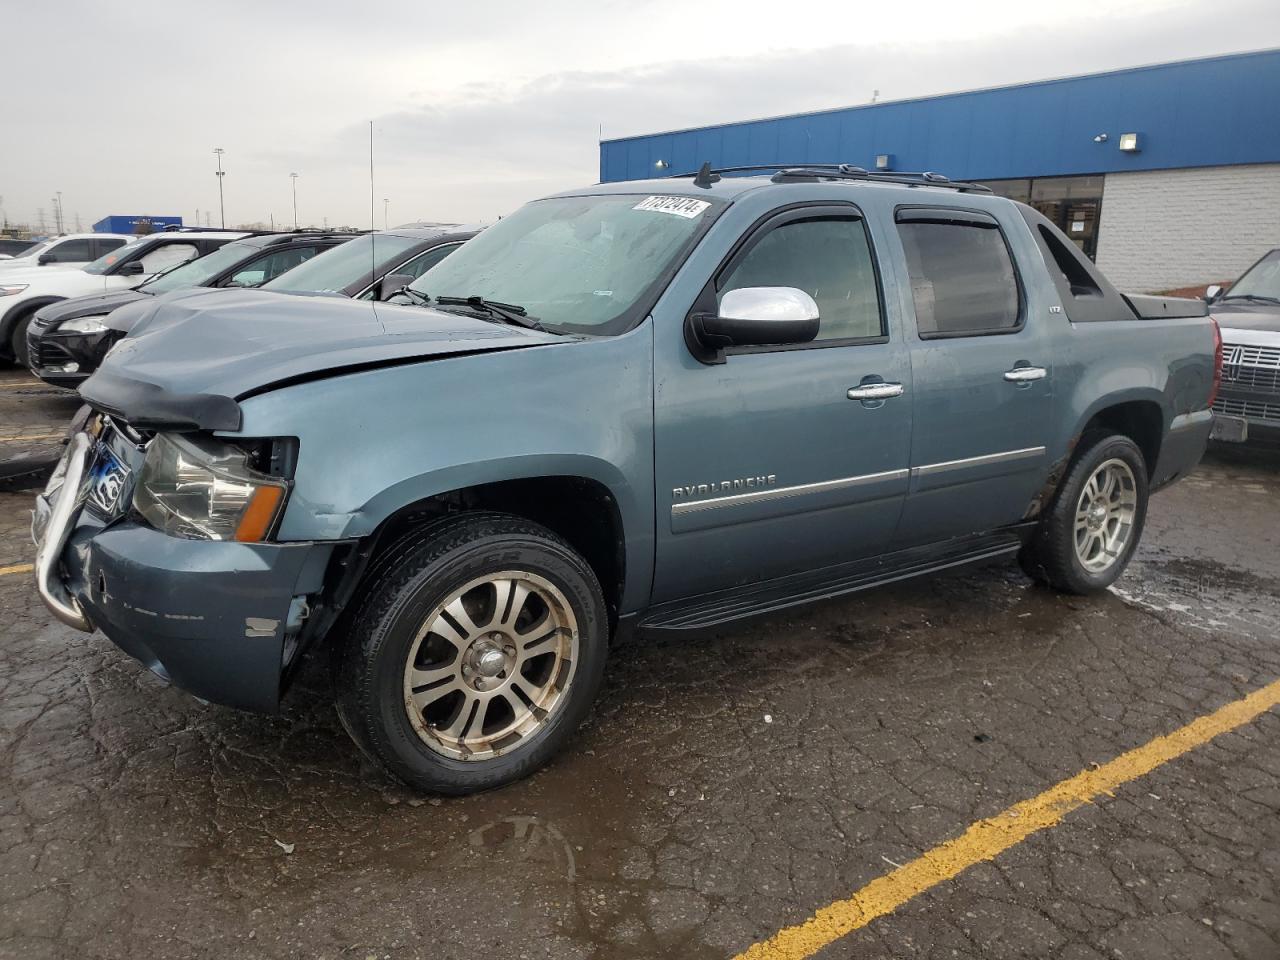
107, 481
1229, 429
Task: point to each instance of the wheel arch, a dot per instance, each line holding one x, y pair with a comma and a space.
1140, 416
20, 310
584, 510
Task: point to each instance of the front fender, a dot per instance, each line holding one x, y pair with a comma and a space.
373, 442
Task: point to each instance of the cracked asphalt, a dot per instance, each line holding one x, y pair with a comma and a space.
722, 788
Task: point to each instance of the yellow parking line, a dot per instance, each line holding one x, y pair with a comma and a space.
38, 436
988, 838
7, 384
16, 568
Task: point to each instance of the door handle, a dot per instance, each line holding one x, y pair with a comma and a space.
1025, 374
876, 391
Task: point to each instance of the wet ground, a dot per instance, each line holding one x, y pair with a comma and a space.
722, 789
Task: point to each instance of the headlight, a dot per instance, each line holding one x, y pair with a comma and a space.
84, 325
202, 489
10, 289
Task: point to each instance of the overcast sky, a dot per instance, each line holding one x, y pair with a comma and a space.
478, 107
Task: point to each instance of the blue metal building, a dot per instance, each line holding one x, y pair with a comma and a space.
135, 224
1122, 160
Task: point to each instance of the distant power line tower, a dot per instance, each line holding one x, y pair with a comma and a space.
79, 229
40, 219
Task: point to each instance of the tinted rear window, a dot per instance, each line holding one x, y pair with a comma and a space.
962, 278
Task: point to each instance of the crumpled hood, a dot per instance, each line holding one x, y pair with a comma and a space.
192, 356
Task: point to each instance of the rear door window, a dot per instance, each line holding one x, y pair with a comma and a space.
106, 245
963, 282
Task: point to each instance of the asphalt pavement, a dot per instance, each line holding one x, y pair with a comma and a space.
722, 790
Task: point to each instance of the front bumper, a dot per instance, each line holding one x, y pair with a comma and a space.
66, 359
220, 619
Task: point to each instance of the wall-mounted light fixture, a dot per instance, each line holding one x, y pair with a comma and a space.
884, 161
662, 164
1100, 138
1129, 143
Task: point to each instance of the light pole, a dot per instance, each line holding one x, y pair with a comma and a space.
218, 152
294, 178
62, 223
385, 204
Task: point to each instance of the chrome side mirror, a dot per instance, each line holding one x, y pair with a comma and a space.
1212, 292
754, 316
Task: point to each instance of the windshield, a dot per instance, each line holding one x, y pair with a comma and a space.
109, 260
336, 269
1261, 280
577, 264
195, 273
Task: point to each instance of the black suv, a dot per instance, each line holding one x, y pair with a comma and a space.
68, 339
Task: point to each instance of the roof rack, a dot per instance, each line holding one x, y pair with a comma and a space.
811, 172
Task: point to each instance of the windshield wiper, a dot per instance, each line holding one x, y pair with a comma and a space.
1251, 296
419, 298
508, 312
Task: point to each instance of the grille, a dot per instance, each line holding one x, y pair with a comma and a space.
46, 354
1255, 368
1251, 409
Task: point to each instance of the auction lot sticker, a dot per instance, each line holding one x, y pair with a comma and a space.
685, 207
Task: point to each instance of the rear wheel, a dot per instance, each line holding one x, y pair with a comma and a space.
1094, 523
475, 654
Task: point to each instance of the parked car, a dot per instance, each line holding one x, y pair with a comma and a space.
10, 247
67, 339
377, 264
1248, 406
72, 250
23, 292
652, 407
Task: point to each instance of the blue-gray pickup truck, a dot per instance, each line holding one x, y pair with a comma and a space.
644, 408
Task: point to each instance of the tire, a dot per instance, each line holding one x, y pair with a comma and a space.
424, 593
18, 340
1055, 555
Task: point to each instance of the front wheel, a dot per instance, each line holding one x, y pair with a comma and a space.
475, 653
18, 341
1094, 523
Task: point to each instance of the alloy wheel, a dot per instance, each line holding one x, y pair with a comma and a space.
490, 665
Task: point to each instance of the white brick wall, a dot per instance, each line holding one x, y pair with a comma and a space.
1167, 229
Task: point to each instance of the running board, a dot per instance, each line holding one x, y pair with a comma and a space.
712, 610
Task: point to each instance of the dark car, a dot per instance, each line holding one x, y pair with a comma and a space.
378, 264
68, 339
1248, 405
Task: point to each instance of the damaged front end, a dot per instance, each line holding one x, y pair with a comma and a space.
163, 542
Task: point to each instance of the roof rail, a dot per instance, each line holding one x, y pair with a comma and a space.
792, 172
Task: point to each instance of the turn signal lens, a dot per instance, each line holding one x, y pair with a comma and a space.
259, 515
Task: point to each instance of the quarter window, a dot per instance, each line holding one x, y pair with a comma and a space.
828, 258
962, 277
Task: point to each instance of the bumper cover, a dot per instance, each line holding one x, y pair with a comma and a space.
218, 619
